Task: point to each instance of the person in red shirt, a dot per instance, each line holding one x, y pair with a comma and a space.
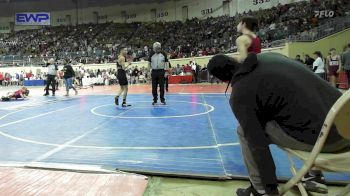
248, 42
1, 78
188, 69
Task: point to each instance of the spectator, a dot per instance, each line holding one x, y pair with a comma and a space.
1, 78
278, 120
346, 63
309, 61
297, 58
187, 70
68, 78
318, 65
333, 66
177, 70
135, 76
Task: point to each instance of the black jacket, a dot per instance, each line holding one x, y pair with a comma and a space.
309, 61
68, 71
272, 87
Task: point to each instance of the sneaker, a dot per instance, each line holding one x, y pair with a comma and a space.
5, 99
76, 92
66, 95
315, 183
163, 102
53, 95
46, 94
154, 103
251, 191
116, 100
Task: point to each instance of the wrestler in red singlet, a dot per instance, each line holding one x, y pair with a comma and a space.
18, 94
255, 47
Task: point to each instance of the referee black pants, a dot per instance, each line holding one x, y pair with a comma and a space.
50, 81
158, 79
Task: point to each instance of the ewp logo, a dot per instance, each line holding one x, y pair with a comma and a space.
33, 18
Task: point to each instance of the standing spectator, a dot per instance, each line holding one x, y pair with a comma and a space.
309, 61
166, 77
194, 71
333, 66
60, 78
1, 78
78, 76
198, 68
21, 78
346, 63
51, 75
318, 65
135, 76
82, 74
158, 62
68, 78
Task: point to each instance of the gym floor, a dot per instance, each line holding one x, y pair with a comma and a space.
192, 136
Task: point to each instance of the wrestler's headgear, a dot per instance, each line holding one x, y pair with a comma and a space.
222, 67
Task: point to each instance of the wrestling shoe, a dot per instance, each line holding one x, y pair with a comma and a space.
315, 183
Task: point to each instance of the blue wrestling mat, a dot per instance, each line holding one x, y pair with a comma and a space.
194, 135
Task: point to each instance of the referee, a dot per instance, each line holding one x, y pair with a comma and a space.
158, 63
51, 75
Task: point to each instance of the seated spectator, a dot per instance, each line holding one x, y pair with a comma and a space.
297, 58
187, 69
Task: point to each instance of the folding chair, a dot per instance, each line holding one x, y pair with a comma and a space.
339, 115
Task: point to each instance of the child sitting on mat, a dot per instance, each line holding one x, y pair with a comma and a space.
19, 94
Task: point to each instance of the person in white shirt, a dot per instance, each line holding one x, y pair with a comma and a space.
51, 76
318, 65
193, 67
